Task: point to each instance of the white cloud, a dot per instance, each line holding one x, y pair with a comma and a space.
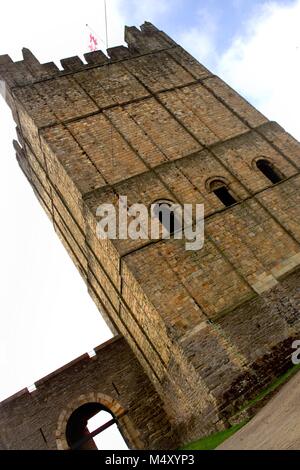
264, 63
200, 40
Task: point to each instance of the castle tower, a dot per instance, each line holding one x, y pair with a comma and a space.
209, 327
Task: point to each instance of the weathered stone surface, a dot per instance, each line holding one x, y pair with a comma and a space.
34, 421
211, 327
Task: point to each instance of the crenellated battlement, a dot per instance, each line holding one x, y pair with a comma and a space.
77, 362
141, 41
113, 378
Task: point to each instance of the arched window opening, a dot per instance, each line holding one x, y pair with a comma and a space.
220, 189
269, 171
93, 427
166, 214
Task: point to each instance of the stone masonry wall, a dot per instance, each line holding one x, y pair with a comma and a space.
151, 123
113, 378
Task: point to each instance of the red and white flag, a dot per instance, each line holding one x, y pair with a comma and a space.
93, 46
93, 39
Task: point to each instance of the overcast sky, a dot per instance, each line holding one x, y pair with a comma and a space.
46, 315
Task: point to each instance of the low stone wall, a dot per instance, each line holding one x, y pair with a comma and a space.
113, 378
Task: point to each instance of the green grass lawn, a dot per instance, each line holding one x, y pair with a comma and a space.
213, 441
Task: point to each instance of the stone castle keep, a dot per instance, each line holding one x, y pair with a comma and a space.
197, 332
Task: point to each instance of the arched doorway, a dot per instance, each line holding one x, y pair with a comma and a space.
92, 426
96, 421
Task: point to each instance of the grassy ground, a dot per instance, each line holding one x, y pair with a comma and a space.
213, 441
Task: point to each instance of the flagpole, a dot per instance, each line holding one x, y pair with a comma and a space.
106, 24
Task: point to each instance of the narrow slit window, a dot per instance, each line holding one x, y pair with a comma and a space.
225, 197
169, 220
269, 171
220, 189
164, 211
